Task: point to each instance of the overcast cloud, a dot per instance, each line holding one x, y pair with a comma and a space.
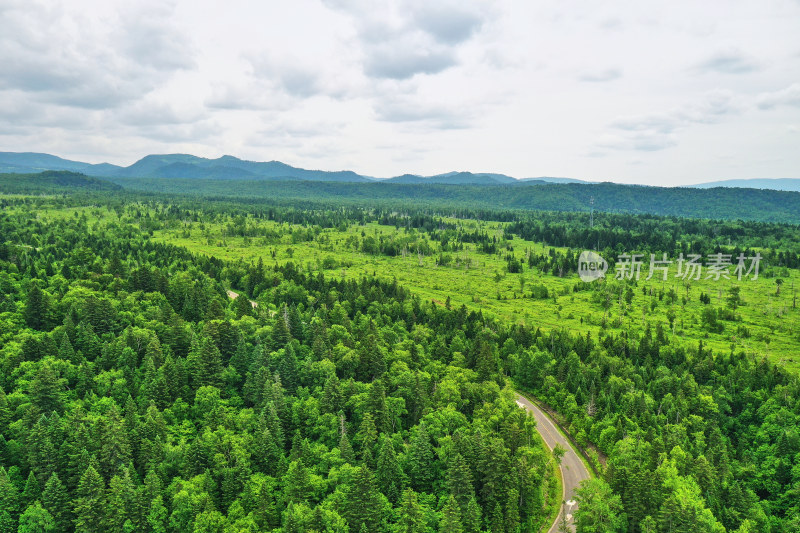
625, 91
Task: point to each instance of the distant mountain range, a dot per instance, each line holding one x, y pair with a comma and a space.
777, 184
232, 168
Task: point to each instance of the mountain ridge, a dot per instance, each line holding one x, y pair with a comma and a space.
228, 167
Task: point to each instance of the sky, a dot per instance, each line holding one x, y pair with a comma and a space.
656, 93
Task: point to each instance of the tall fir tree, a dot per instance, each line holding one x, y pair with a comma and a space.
390, 475
363, 506
89, 504
451, 517
56, 500
412, 519
420, 460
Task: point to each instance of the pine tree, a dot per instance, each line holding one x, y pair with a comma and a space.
297, 483
89, 505
242, 306
46, 388
420, 460
288, 369
363, 506
9, 495
472, 517
512, 512
279, 335
37, 309
389, 474
377, 406
451, 517
32, 490
5, 412
55, 499
121, 502
66, 352
411, 517
367, 435
331, 400
207, 365
496, 519
459, 481
345, 449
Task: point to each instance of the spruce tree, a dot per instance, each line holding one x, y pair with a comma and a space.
157, 515
389, 474
367, 435
362, 503
37, 309
411, 517
56, 500
89, 505
9, 495
451, 517
32, 491
459, 481
420, 460
471, 518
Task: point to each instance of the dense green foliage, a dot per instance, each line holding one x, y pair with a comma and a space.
717, 203
53, 182
136, 396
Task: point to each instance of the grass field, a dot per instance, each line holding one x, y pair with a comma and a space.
766, 323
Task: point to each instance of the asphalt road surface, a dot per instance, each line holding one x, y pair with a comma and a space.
573, 471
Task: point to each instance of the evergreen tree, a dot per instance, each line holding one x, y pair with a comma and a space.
451, 517
37, 309
420, 460
512, 512
206, 364
298, 487
459, 481
367, 435
89, 505
45, 389
496, 524
288, 369
389, 474
279, 335
55, 499
9, 495
472, 517
241, 305
32, 491
121, 502
362, 503
411, 517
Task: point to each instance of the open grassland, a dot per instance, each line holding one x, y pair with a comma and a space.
765, 323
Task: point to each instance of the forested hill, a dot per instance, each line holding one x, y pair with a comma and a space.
715, 203
53, 182
719, 203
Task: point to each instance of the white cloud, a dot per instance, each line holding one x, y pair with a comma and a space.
790, 96
657, 131
383, 87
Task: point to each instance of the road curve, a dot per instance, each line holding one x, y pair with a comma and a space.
573, 471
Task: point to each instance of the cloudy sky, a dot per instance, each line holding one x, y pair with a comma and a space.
631, 91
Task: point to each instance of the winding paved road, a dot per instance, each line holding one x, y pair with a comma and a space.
573, 471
